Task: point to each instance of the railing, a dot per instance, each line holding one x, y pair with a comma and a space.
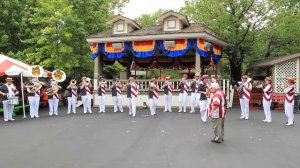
144, 85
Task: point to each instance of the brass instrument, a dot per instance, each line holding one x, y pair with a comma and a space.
73, 82
52, 91
36, 71
36, 87
152, 87
59, 75
208, 92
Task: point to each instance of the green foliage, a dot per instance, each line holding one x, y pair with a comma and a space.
150, 19
52, 33
113, 70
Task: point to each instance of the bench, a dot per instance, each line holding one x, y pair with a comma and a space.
256, 101
17, 108
278, 101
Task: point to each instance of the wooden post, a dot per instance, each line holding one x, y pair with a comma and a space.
198, 63
98, 70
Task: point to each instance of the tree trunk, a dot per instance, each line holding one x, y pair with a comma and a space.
235, 72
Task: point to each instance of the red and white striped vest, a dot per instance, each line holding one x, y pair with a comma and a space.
217, 99
134, 89
268, 92
290, 94
118, 89
247, 88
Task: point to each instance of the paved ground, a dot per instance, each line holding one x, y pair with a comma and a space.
169, 140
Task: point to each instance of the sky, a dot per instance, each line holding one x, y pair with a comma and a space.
135, 8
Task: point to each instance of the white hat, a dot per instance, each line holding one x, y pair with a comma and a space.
215, 85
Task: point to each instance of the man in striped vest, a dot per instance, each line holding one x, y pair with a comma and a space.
72, 97
245, 91
289, 101
183, 86
153, 96
168, 89
101, 94
53, 99
267, 99
116, 95
34, 98
132, 92
217, 110
86, 93
203, 100
195, 93
8, 90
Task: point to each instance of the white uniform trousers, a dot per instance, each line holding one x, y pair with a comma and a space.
203, 110
101, 100
7, 110
87, 106
53, 106
168, 102
132, 106
182, 101
267, 110
117, 103
72, 104
289, 111
34, 103
153, 105
244, 103
194, 101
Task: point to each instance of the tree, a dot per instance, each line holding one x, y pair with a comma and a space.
150, 19
236, 21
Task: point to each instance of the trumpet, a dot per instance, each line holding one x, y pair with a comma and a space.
52, 91
208, 92
73, 82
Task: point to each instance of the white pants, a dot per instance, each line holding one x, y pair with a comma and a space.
101, 100
182, 101
203, 109
7, 110
194, 101
34, 103
53, 106
117, 103
168, 102
72, 104
289, 111
267, 109
87, 106
132, 106
153, 105
244, 103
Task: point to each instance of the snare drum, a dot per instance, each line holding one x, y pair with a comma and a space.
13, 100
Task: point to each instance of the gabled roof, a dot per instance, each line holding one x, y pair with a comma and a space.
127, 20
183, 18
274, 60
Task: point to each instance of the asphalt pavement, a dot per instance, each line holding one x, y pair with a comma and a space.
168, 140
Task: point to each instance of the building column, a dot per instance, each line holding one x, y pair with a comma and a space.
198, 63
98, 70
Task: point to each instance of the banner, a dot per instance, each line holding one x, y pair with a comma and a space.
110, 52
143, 49
181, 47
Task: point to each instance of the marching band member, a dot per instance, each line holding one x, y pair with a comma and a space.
195, 93
116, 90
267, 99
289, 101
34, 97
8, 90
101, 94
53, 98
217, 112
203, 103
153, 96
183, 86
245, 89
86, 92
72, 96
132, 91
168, 89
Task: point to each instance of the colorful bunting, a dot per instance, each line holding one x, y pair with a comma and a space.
95, 50
110, 52
217, 53
143, 49
200, 47
181, 47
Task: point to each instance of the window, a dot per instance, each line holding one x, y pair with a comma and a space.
120, 27
171, 24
